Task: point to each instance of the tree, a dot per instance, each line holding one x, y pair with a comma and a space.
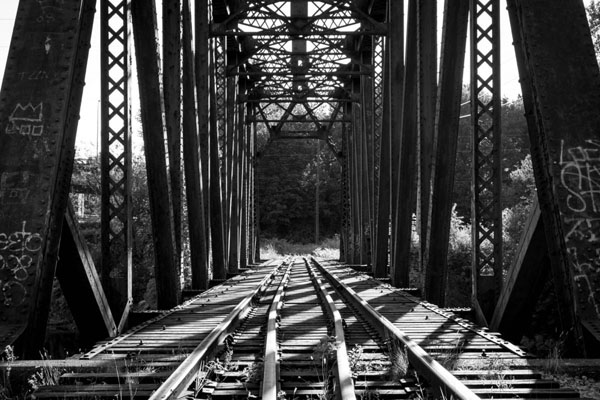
593, 14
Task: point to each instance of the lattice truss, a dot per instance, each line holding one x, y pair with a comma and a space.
299, 58
116, 156
116, 153
485, 103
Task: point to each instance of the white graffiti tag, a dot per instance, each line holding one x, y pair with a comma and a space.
584, 272
26, 120
580, 176
17, 253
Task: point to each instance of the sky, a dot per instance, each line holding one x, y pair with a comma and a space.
87, 136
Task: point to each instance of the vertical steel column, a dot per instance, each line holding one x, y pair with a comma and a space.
218, 141
235, 177
228, 156
216, 208
245, 231
485, 115
171, 14
39, 109
426, 94
395, 84
367, 167
346, 234
454, 38
193, 178
384, 170
203, 80
378, 71
254, 192
168, 291
406, 195
560, 83
116, 232
355, 135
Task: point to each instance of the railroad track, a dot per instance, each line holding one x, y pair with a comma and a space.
298, 329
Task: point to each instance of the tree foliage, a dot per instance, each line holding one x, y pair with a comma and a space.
593, 14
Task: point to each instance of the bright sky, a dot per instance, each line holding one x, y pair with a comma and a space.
88, 131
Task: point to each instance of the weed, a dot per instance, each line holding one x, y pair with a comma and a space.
325, 355
7, 355
399, 359
496, 368
45, 375
354, 356
254, 372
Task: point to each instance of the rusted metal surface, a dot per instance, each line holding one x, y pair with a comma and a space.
39, 107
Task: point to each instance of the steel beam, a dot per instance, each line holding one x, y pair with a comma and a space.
426, 106
214, 188
561, 83
193, 179
116, 168
454, 38
171, 67
486, 164
202, 98
396, 86
39, 110
168, 290
406, 193
80, 284
382, 237
524, 281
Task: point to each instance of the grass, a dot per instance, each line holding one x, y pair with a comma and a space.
276, 248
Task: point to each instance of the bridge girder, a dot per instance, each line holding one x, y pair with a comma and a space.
331, 70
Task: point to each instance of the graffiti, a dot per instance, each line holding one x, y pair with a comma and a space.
49, 10
15, 187
37, 75
580, 176
20, 241
26, 120
17, 253
12, 293
585, 269
583, 229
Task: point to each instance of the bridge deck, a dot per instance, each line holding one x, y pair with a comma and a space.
137, 363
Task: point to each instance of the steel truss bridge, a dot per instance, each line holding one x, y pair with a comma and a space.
217, 72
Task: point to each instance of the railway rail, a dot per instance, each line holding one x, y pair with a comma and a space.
304, 329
